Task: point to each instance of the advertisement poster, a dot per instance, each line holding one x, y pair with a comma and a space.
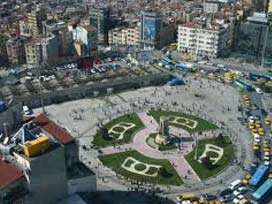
149, 29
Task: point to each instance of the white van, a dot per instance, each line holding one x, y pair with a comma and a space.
235, 184
257, 138
26, 110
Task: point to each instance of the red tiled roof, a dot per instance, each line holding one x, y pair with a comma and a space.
8, 173
53, 129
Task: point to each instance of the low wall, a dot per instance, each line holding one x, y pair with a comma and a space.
93, 90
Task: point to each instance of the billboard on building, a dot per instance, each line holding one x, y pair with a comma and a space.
149, 29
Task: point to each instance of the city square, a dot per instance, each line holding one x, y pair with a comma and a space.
135, 102
138, 112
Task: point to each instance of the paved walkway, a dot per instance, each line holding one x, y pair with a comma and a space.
139, 143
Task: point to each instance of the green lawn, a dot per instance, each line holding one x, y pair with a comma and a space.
203, 125
100, 141
114, 161
202, 171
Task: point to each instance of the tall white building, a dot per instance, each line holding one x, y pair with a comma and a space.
200, 41
86, 37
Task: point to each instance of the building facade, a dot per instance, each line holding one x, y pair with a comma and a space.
35, 19
151, 23
43, 161
203, 42
267, 60
50, 49
125, 36
85, 39
251, 37
16, 50
212, 6
33, 50
100, 18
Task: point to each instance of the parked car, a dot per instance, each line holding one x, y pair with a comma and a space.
226, 198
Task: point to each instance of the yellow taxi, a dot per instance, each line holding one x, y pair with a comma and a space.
246, 99
186, 196
201, 201
245, 182
267, 149
245, 96
266, 141
256, 146
248, 177
244, 201
248, 102
240, 89
267, 121
258, 124
254, 131
270, 175
196, 76
252, 126
261, 81
266, 145
261, 131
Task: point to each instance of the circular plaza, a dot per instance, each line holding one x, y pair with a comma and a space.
117, 134
143, 147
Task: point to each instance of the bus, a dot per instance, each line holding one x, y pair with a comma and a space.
243, 84
175, 82
256, 76
167, 62
185, 67
258, 175
263, 191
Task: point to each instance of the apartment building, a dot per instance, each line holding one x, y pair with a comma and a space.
204, 41
33, 52
43, 164
34, 20
100, 18
125, 36
251, 37
16, 50
63, 35
85, 38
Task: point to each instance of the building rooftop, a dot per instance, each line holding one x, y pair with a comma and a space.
89, 28
258, 17
53, 129
8, 173
79, 170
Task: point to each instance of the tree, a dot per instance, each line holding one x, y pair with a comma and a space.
221, 137
104, 132
206, 161
164, 173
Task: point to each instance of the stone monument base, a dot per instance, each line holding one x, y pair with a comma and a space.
159, 139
